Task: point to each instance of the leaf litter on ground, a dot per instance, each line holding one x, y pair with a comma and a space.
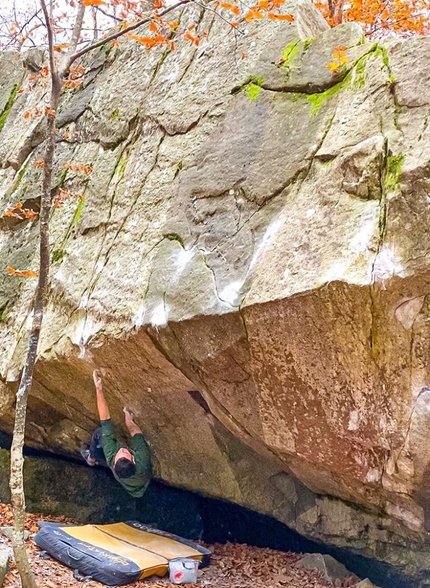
232, 566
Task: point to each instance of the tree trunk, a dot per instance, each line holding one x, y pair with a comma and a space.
335, 8
17, 459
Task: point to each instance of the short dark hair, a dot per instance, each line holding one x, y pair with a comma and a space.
124, 468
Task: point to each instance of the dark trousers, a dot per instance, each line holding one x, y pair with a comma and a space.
96, 447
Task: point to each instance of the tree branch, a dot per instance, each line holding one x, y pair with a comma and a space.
16, 35
112, 16
50, 36
217, 13
122, 32
74, 40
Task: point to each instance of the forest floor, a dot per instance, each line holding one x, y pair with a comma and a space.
232, 566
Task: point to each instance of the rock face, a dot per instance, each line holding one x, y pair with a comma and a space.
329, 568
256, 231
58, 488
4, 561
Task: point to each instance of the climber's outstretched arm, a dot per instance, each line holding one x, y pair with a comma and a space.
102, 406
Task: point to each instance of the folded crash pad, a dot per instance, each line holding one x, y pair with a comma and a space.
116, 554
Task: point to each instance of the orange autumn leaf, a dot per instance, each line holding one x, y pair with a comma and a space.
190, 37
72, 84
39, 163
173, 25
282, 17
79, 168
50, 112
379, 17
339, 58
277, 3
231, 7
92, 2
61, 47
147, 41
153, 27
63, 195
22, 273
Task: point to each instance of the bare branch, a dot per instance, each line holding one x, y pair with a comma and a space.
48, 25
217, 13
17, 34
74, 40
122, 32
95, 28
112, 16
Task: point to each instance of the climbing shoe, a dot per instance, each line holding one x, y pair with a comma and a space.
86, 455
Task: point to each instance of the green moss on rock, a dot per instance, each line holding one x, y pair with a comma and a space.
252, 87
114, 114
355, 78
120, 166
8, 106
359, 77
58, 254
393, 172
175, 237
253, 91
289, 53
3, 312
317, 100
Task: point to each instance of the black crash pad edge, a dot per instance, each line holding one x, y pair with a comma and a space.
99, 564
95, 563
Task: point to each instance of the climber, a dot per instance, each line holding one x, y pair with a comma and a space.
130, 467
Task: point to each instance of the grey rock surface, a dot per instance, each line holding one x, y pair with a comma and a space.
329, 567
7, 532
365, 584
4, 563
256, 230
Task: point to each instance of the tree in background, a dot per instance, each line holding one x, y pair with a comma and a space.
379, 18
70, 29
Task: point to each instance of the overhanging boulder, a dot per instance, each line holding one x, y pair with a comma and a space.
255, 230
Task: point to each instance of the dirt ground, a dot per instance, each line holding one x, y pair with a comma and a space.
232, 566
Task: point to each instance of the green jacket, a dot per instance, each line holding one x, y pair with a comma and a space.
136, 484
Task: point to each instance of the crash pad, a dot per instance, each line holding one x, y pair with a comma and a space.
119, 553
